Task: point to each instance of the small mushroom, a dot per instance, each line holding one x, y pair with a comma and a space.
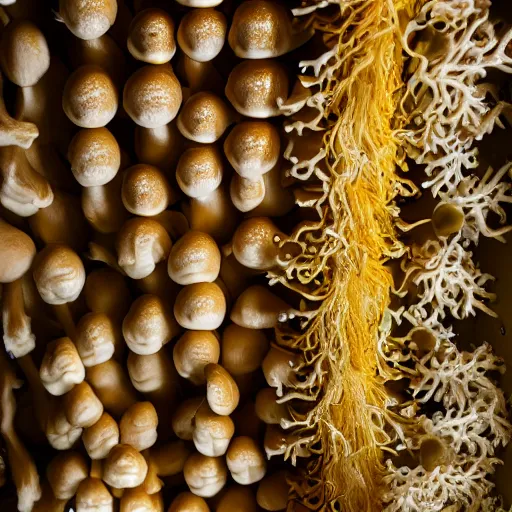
447, 219
246, 194
273, 492
188, 502
237, 497
137, 500
212, 432
88, 19
183, 417
268, 409
138, 426
82, 407
159, 146
245, 461
202, 33
151, 37
17, 252
200, 306
277, 442
279, 369
60, 433
124, 467
92, 496
65, 473
205, 476
152, 96
222, 392
90, 97
101, 437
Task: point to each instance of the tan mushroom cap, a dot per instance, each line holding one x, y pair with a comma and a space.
65, 473
137, 500
212, 432
141, 244
61, 368
194, 258
151, 37
138, 426
243, 350
88, 19
202, 33
124, 467
246, 194
267, 408
253, 148
273, 492
279, 368
237, 497
101, 437
60, 433
59, 274
145, 190
245, 461
200, 171
222, 392
17, 252
82, 407
24, 53
183, 417
149, 325
200, 306
205, 476
94, 156
151, 373
188, 502
93, 496
90, 97
255, 86
152, 96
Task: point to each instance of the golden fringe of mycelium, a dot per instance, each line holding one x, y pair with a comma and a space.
353, 184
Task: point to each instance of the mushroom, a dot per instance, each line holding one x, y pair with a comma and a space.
205, 476
141, 243
262, 29
255, 88
200, 3
246, 194
61, 368
24, 54
169, 459
204, 118
60, 433
245, 460
151, 37
124, 467
112, 386
193, 351
253, 148
194, 258
279, 369
221, 390
243, 350
188, 502
200, 306
212, 432
94, 156
447, 219
65, 473
97, 339
90, 97
136, 500
22, 191
152, 96
268, 409
201, 34
159, 283
138, 426
237, 497
149, 325
88, 19
174, 222
145, 191
48, 502
200, 76
183, 417
101, 437
273, 491
17, 252
277, 442
92, 496
82, 407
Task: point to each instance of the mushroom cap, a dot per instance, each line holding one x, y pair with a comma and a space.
101, 437
59, 274
124, 467
267, 408
152, 96
188, 502
88, 19
200, 306
253, 148
24, 53
204, 118
138, 426
148, 325
200, 3
273, 492
193, 351
145, 190
200, 171
151, 37
137, 500
202, 33
243, 350
279, 368
93, 496
237, 497
17, 252
212, 432
90, 97
61, 367
194, 258
82, 407
94, 156
222, 392
141, 244
245, 461
246, 194
60, 433
255, 86
152, 372
65, 473
205, 476
183, 417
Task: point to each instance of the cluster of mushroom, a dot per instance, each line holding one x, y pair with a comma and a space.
185, 232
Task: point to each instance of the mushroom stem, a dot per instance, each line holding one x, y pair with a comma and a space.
65, 318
